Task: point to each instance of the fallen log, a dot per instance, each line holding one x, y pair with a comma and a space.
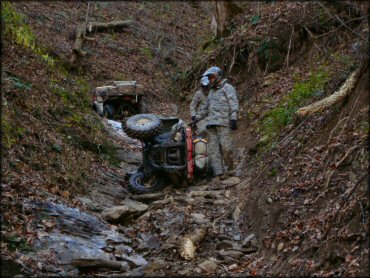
339, 95
82, 30
188, 244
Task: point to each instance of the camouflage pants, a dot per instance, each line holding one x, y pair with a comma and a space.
201, 128
220, 149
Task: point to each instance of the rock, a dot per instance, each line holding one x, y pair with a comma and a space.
158, 204
123, 249
231, 181
280, 246
153, 266
148, 197
220, 202
135, 205
254, 243
115, 214
232, 267
137, 272
199, 218
208, 266
135, 260
237, 237
270, 79
249, 250
247, 240
125, 266
152, 242
185, 272
196, 188
202, 193
237, 212
129, 157
230, 253
90, 204
269, 200
224, 245
128, 208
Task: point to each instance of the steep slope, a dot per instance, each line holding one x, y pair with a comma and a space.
53, 145
304, 193
300, 205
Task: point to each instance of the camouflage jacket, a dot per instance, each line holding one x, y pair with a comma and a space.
198, 103
222, 105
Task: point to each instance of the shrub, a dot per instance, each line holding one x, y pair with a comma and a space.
282, 115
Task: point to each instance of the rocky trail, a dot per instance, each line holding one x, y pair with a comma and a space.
133, 235
299, 205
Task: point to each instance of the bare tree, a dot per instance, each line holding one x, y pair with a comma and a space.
222, 13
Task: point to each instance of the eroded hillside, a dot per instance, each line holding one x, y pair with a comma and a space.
299, 205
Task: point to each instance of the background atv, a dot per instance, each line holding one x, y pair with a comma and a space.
170, 153
120, 100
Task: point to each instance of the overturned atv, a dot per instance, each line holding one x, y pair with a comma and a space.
170, 153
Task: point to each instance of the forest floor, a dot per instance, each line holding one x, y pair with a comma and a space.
299, 204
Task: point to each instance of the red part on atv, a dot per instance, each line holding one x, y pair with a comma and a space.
189, 149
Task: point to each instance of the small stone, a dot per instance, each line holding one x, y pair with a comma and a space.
123, 249
125, 266
231, 181
237, 213
280, 246
295, 248
247, 240
232, 267
185, 272
208, 266
230, 253
269, 200
135, 260
199, 218
154, 266
220, 202
254, 243
224, 245
135, 205
190, 200
196, 188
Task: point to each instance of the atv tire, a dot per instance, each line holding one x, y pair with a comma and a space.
109, 111
138, 184
142, 126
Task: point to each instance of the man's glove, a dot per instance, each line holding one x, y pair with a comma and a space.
194, 121
233, 125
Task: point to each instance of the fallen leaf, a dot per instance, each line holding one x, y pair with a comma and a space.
65, 194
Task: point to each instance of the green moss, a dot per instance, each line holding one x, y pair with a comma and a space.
7, 132
282, 115
15, 26
147, 52
15, 243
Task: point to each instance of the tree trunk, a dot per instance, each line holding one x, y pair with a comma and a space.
223, 13
339, 95
93, 27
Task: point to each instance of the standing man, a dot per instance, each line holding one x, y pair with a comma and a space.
198, 103
221, 110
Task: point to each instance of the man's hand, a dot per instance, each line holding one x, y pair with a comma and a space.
194, 121
233, 125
